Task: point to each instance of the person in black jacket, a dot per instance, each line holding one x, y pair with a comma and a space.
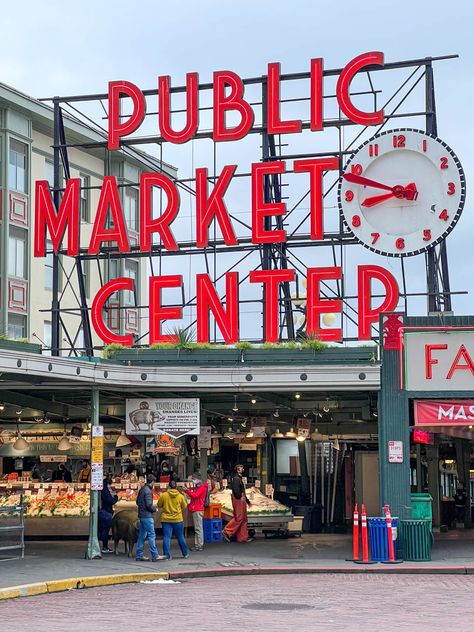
238, 526
62, 474
146, 509
107, 502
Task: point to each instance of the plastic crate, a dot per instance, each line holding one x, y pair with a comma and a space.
213, 511
378, 538
212, 530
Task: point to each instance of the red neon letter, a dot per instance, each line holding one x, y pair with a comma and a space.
104, 333
159, 313
316, 114
68, 215
316, 166
463, 353
109, 198
274, 124
367, 315
227, 320
234, 101
271, 280
192, 110
214, 205
161, 224
344, 84
116, 128
429, 360
262, 209
316, 306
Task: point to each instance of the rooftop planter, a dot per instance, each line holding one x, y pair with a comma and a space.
19, 345
290, 353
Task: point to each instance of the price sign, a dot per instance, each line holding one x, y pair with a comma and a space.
269, 490
53, 493
41, 493
258, 484
244, 480
218, 485
28, 492
26, 485
224, 483
36, 485
70, 491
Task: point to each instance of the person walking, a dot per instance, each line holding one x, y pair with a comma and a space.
172, 504
146, 509
196, 508
106, 512
238, 526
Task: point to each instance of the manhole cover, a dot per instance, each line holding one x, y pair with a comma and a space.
277, 606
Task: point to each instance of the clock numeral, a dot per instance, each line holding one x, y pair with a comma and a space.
357, 169
373, 150
375, 237
451, 188
443, 163
349, 196
399, 141
400, 243
444, 215
427, 234
356, 221
425, 145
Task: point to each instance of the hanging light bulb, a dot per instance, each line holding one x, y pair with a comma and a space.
291, 434
277, 434
301, 438
64, 443
297, 396
276, 413
249, 434
235, 408
2, 406
18, 411
122, 440
253, 400
20, 444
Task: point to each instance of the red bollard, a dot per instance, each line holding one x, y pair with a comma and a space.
391, 548
365, 536
355, 534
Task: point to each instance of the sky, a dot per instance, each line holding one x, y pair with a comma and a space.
57, 48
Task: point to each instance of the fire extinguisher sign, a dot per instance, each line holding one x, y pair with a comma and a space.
395, 451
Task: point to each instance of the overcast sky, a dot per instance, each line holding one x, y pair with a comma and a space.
58, 48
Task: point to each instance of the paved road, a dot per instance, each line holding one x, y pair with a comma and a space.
267, 604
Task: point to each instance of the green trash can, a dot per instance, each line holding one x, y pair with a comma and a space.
415, 540
421, 507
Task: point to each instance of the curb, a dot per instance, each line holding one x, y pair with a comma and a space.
76, 583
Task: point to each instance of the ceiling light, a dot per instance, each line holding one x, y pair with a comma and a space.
249, 434
253, 400
231, 419
375, 413
18, 411
122, 440
277, 434
291, 434
64, 444
236, 408
470, 427
20, 444
326, 409
2, 406
297, 396
301, 438
276, 413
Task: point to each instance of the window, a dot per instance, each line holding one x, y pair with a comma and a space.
114, 269
18, 166
86, 275
16, 326
131, 271
17, 253
85, 183
131, 209
47, 337
48, 267
49, 173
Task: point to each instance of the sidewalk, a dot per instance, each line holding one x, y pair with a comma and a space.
46, 561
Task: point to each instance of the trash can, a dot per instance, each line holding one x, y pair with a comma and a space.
305, 511
415, 540
378, 538
422, 507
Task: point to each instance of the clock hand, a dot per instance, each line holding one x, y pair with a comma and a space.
352, 177
376, 199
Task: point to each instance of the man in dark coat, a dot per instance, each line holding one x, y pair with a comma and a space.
146, 509
106, 512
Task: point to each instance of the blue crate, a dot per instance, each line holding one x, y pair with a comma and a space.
212, 524
216, 536
378, 539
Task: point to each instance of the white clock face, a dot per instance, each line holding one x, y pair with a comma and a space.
402, 192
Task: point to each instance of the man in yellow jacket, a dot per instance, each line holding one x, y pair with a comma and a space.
172, 503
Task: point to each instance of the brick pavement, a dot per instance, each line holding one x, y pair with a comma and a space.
268, 604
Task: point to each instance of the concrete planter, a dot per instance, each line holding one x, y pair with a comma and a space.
16, 345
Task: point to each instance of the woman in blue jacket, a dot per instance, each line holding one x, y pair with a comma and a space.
107, 502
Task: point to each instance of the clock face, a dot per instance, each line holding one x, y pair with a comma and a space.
402, 192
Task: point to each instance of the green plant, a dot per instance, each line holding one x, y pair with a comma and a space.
312, 342
244, 344
184, 337
4, 337
161, 345
110, 351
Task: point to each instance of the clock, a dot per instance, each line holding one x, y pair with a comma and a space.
402, 192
